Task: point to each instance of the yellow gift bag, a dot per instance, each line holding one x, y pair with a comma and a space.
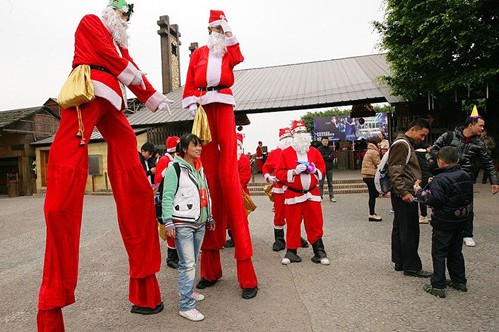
78, 88
201, 128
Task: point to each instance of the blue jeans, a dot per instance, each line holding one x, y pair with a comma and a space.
188, 241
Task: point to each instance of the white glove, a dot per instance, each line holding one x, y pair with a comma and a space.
138, 79
164, 106
225, 26
272, 179
192, 109
300, 168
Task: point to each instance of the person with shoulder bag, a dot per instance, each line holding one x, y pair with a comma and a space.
403, 174
369, 165
186, 214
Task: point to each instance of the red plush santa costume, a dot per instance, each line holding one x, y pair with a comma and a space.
300, 168
259, 157
98, 43
244, 165
163, 163
209, 78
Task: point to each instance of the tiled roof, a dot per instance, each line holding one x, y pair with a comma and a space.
319, 84
9, 117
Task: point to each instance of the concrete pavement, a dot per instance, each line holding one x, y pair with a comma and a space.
359, 291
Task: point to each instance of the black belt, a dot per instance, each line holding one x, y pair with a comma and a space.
104, 69
213, 88
301, 191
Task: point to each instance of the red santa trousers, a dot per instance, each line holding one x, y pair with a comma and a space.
67, 177
221, 168
312, 220
279, 219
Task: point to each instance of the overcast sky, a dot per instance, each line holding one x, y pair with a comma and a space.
37, 41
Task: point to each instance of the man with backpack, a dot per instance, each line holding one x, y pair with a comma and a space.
403, 174
470, 147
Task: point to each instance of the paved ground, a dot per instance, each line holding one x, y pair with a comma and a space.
359, 291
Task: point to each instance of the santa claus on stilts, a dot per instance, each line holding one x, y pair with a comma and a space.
100, 42
269, 169
163, 163
209, 78
300, 168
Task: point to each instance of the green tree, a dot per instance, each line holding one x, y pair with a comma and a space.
440, 46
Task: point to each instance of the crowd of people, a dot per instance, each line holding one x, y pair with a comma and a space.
200, 185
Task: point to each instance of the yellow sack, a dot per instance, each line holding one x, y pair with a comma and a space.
78, 88
201, 128
268, 191
249, 205
162, 232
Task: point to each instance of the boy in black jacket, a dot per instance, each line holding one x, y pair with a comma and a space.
450, 196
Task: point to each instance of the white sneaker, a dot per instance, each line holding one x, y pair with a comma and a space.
285, 261
468, 241
423, 220
192, 314
333, 200
197, 296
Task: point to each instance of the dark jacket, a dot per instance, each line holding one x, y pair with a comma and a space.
403, 175
468, 152
151, 164
328, 156
423, 164
450, 195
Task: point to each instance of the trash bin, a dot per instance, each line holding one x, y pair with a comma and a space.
12, 184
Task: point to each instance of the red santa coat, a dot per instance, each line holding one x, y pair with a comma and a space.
304, 186
162, 164
244, 172
204, 71
94, 46
270, 168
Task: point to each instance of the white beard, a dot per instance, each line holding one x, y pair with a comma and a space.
285, 142
216, 43
116, 26
301, 142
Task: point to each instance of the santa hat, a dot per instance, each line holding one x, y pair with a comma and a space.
216, 17
298, 126
171, 143
239, 138
284, 133
122, 6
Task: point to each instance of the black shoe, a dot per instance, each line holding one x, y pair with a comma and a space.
279, 245
172, 259
420, 273
229, 243
304, 243
147, 311
438, 292
291, 257
398, 267
203, 283
455, 285
249, 293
